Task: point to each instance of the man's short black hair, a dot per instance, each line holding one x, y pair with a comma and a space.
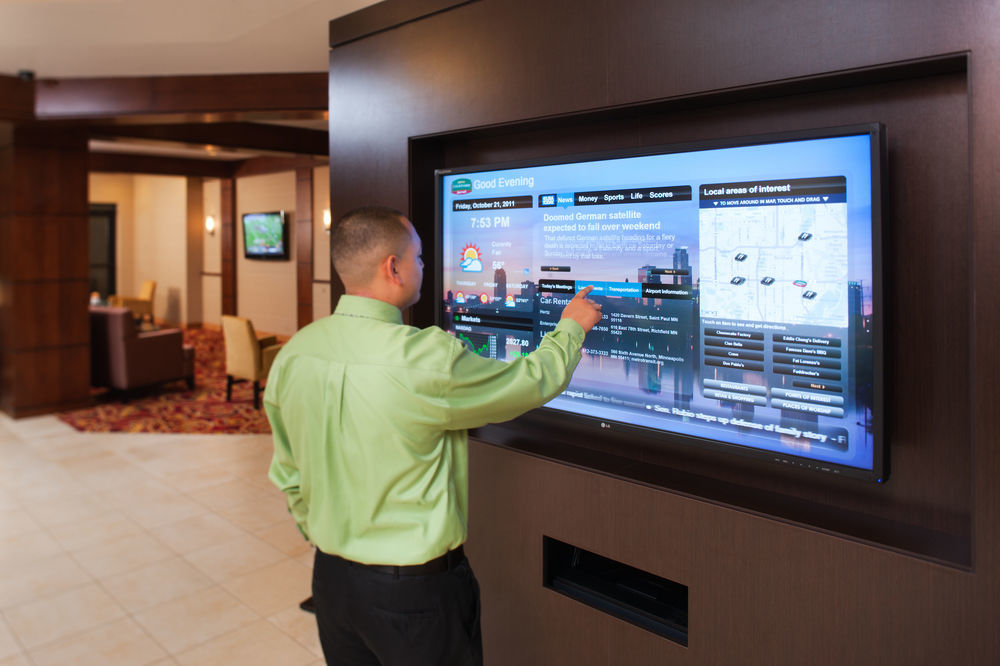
365, 236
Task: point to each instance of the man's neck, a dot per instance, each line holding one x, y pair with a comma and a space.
367, 292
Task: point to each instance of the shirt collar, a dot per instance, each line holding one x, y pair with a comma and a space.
370, 308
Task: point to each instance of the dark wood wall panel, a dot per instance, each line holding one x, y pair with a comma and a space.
170, 166
6, 286
985, 275
43, 268
737, 43
47, 313
194, 231
17, 98
124, 96
255, 136
44, 380
304, 244
761, 592
228, 244
264, 165
385, 16
57, 245
763, 589
46, 179
6, 166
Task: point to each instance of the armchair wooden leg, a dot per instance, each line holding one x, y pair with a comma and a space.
229, 388
256, 394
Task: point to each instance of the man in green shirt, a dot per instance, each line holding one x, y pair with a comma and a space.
370, 420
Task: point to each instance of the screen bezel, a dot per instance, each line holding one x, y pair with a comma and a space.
619, 432
284, 237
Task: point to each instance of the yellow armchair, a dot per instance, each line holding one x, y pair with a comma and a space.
248, 358
141, 305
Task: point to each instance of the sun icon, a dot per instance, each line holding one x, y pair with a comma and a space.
470, 259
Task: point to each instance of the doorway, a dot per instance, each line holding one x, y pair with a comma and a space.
102, 249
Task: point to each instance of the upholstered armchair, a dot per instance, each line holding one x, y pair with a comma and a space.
248, 358
141, 305
123, 358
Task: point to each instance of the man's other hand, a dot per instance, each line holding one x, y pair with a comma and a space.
582, 310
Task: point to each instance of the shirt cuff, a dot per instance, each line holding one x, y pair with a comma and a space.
572, 329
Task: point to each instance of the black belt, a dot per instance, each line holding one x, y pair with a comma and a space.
446, 562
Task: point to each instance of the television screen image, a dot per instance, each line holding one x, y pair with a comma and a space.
739, 281
265, 236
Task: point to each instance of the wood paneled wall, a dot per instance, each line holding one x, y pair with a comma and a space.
547, 77
17, 98
200, 97
304, 245
44, 323
229, 244
195, 245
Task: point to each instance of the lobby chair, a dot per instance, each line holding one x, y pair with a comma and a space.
248, 358
123, 358
141, 305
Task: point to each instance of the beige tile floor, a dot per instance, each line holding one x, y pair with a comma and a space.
121, 549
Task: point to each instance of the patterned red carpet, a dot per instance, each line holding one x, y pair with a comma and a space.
173, 408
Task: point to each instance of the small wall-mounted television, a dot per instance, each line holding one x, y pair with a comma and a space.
265, 235
740, 281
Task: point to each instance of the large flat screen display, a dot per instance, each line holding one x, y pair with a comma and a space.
739, 281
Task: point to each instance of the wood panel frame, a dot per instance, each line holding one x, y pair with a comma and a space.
940, 531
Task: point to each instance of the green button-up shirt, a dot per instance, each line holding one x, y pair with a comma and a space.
369, 419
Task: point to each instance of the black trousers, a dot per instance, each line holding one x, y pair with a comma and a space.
368, 617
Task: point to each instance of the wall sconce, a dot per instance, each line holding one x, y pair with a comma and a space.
210, 225
327, 220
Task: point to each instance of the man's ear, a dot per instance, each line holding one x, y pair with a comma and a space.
389, 267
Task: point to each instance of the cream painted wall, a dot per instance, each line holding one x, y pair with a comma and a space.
321, 300
321, 244
117, 189
151, 218
212, 202
159, 251
266, 290
211, 277
211, 300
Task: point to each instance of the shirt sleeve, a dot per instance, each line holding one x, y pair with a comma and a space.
284, 472
483, 390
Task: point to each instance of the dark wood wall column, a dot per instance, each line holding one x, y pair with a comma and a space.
195, 256
227, 228
44, 321
304, 244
